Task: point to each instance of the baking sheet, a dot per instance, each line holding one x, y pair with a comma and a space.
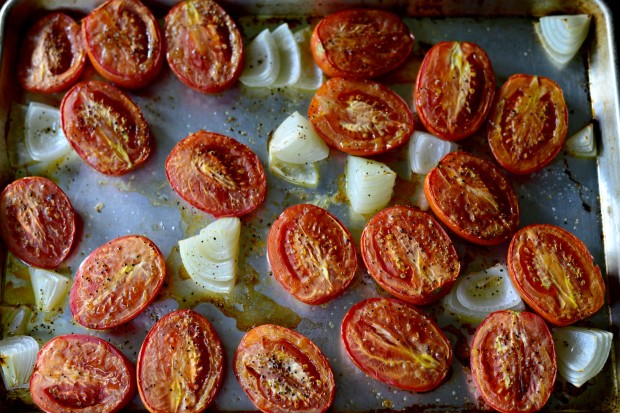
579, 195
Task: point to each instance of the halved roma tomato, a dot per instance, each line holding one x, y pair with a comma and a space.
360, 43
105, 127
513, 361
37, 221
409, 254
283, 371
454, 89
311, 253
360, 117
82, 373
555, 274
53, 56
527, 124
124, 43
205, 49
216, 174
116, 282
180, 364
397, 344
473, 198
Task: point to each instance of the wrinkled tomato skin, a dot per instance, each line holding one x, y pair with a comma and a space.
409, 254
555, 274
53, 56
360, 117
182, 349
204, 46
37, 222
124, 43
417, 357
78, 373
454, 89
473, 198
105, 127
103, 294
311, 253
513, 361
216, 174
360, 43
528, 123
283, 371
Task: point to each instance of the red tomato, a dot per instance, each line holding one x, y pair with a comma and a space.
473, 198
360, 43
37, 221
216, 174
205, 49
52, 57
360, 117
311, 253
78, 373
513, 361
105, 128
409, 254
124, 43
555, 274
180, 365
454, 90
528, 123
116, 282
283, 371
395, 343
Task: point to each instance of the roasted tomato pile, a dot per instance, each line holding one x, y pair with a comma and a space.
413, 255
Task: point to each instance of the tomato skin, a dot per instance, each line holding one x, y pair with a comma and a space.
528, 123
103, 291
77, 373
513, 361
106, 129
124, 43
267, 365
409, 254
183, 338
454, 89
53, 56
360, 43
199, 33
418, 356
216, 174
555, 274
360, 117
473, 198
311, 253
37, 221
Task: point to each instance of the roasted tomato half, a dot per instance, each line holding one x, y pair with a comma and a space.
513, 361
395, 343
555, 274
124, 43
360, 117
53, 56
360, 43
37, 221
116, 282
528, 123
105, 128
454, 90
473, 198
311, 253
78, 373
205, 48
181, 364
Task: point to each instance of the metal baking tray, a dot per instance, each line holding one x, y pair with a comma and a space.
582, 196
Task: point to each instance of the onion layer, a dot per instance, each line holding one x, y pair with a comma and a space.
562, 36
426, 150
18, 355
369, 184
582, 144
262, 61
49, 288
